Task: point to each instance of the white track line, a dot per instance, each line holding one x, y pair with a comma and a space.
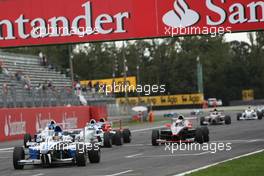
214, 164
132, 156
40, 174
159, 156
120, 173
6, 149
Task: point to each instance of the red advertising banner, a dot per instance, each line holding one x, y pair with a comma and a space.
41, 22
15, 122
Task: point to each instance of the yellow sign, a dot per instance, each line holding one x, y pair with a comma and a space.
170, 100
248, 95
130, 81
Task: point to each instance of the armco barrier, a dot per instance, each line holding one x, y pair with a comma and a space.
15, 122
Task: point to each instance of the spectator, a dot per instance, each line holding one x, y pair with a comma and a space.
5, 89
84, 88
39, 87
1, 65
78, 88
96, 86
89, 86
27, 80
44, 86
18, 75
41, 59
50, 84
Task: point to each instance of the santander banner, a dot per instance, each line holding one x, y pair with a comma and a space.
31, 22
15, 122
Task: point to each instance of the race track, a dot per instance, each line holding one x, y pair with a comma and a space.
140, 158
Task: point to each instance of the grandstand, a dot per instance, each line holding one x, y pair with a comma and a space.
16, 94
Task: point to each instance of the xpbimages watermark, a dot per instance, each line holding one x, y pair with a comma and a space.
196, 30
205, 147
143, 89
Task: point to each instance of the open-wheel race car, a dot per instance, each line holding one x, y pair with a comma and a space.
108, 135
42, 134
180, 130
250, 114
58, 148
215, 117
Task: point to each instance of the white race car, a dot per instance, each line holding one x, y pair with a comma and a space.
58, 149
250, 114
180, 130
215, 117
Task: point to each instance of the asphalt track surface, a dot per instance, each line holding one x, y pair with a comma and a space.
140, 158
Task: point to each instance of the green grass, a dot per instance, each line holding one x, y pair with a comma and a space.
252, 165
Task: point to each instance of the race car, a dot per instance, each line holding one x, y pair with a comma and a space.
215, 117
180, 130
41, 135
108, 136
250, 114
57, 149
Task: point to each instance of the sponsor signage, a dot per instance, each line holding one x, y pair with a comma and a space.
170, 100
16, 122
111, 82
41, 22
248, 95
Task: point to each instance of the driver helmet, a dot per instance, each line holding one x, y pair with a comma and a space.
52, 125
180, 117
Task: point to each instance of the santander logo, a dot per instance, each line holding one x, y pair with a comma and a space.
181, 15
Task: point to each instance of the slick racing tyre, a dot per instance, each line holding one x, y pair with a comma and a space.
127, 136
81, 158
202, 119
227, 120
205, 134
18, 154
199, 135
27, 138
118, 138
239, 115
259, 114
154, 137
107, 140
94, 154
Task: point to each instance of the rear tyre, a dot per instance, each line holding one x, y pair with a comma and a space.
205, 134
127, 136
154, 137
81, 158
118, 138
18, 154
199, 135
239, 115
259, 114
107, 140
227, 120
202, 119
94, 154
27, 138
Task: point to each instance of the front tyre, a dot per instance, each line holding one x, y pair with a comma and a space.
127, 136
239, 115
199, 135
18, 154
81, 158
94, 154
154, 137
227, 120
